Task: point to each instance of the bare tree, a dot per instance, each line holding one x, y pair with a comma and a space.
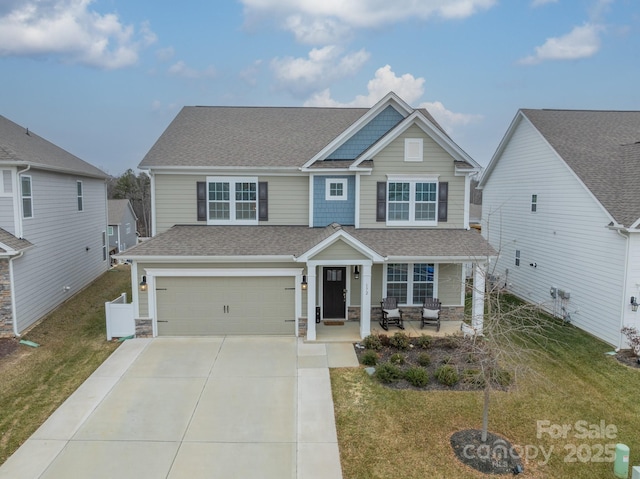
136, 189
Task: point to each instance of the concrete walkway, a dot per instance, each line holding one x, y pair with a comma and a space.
222, 407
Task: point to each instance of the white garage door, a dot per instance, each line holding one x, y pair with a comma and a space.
213, 306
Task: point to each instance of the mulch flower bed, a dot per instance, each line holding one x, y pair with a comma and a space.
628, 358
495, 456
448, 350
7, 346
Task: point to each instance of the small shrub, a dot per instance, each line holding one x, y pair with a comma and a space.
424, 342
633, 338
388, 373
369, 358
384, 340
473, 378
446, 359
447, 375
417, 376
471, 358
501, 377
424, 359
400, 340
396, 358
372, 342
451, 342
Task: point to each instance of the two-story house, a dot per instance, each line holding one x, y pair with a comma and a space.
53, 220
561, 204
268, 220
122, 225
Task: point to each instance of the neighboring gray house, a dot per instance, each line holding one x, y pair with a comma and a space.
561, 204
53, 221
267, 220
122, 226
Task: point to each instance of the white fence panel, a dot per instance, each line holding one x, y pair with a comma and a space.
120, 320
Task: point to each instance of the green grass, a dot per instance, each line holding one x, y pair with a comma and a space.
386, 433
35, 381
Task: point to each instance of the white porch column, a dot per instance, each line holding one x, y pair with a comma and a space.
477, 312
365, 301
311, 302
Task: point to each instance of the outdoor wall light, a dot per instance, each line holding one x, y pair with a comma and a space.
303, 285
356, 272
634, 304
143, 284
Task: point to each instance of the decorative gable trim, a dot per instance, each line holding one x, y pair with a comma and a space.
418, 119
390, 99
348, 239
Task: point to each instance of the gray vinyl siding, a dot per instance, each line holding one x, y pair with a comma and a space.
566, 238
127, 240
175, 199
67, 249
390, 161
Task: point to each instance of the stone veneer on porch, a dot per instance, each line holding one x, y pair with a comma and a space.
6, 314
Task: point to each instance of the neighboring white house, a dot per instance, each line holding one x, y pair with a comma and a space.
122, 226
53, 222
561, 204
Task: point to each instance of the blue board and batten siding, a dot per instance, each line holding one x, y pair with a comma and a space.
326, 211
368, 135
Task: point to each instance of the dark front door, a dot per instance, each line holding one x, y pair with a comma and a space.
334, 292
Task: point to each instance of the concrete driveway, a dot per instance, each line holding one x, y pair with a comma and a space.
220, 407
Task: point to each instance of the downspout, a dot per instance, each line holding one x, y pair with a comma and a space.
14, 313
627, 237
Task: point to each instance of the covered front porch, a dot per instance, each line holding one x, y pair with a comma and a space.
349, 331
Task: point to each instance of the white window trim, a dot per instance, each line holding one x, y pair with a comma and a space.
410, 280
412, 202
110, 230
22, 196
332, 181
534, 203
232, 201
80, 197
412, 142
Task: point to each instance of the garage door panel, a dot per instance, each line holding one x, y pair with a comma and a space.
215, 306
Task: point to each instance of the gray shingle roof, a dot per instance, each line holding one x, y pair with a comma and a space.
208, 241
603, 149
117, 209
203, 136
18, 146
13, 242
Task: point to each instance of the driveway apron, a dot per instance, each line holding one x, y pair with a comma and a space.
217, 407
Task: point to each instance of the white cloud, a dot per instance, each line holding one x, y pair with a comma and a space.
581, 42
301, 76
407, 87
251, 73
69, 30
165, 54
314, 22
180, 69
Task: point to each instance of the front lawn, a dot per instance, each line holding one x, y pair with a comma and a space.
565, 418
73, 343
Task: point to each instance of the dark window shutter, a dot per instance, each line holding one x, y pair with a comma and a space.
201, 197
381, 201
443, 200
263, 201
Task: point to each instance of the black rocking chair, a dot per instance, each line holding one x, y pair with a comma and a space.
390, 314
431, 312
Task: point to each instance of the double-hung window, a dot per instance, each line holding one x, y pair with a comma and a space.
27, 196
412, 201
232, 200
79, 193
410, 283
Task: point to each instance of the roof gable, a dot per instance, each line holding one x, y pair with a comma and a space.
19, 146
117, 209
602, 148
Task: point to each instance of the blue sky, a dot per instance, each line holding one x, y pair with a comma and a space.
103, 78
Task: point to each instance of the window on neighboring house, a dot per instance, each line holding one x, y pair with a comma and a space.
79, 192
410, 283
27, 197
336, 189
412, 202
110, 229
232, 200
413, 149
104, 246
517, 257
534, 203
6, 187
128, 228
